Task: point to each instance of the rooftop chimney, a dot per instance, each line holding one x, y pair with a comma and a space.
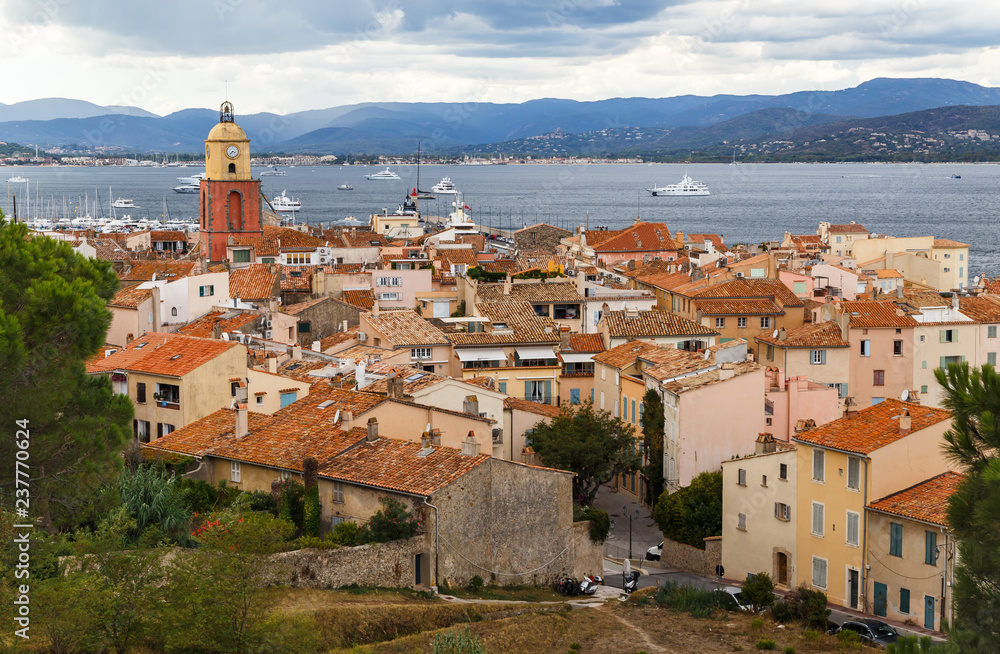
272, 364
436, 437
507, 284
317, 346
425, 444
469, 446
471, 405
375, 309
782, 335
954, 301
297, 352
242, 393
394, 386
765, 443
904, 423
242, 420
372, 430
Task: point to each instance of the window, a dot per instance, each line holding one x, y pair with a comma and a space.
390, 296
206, 291
566, 311
782, 511
538, 391
305, 327
338, 492
819, 572
895, 539
162, 429
260, 400
853, 473
287, 397
877, 400
420, 353
170, 393
741, 323
783, 471
878, 378
817, 518
142, 430
763, 481
819, 465
923, 389
948, 336
765, 322
991, 358
922, 338
299, 259
817, 357
235, 473
503, 388
991, 331
741, 477
241, 256
853, 528
930, 547
140, 392
947, 269
173, 311
897, 348
285, 475
866, 348
799, 288
574, 396
741, 522
389, 281
904, 600
720, 323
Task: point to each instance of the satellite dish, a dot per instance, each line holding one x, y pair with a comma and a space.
976, 280
905, 395
775, 334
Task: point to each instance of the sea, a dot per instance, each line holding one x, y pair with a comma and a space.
750, 203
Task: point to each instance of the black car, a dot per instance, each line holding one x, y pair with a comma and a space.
871, 631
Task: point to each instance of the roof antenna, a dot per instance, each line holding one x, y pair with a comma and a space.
226, 82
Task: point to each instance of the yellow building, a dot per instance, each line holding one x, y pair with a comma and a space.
844, 465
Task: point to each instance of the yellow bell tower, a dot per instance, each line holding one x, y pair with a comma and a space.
227, 149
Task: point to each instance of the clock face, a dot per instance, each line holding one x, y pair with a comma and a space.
232, 151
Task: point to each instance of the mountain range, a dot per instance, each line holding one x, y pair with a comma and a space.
664, 125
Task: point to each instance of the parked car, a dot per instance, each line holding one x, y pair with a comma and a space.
870, 631
653, 553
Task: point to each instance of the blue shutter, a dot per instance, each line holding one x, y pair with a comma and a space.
930, 547
904, 600
895, 539
574, 396
548, 392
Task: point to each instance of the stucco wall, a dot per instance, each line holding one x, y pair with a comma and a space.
376, 564
898, 369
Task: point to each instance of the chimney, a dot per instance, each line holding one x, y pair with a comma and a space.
471, 405
954, 301
507, 284
336, 382
343, 326
436, 437
469, 446
782, 335
899, 292
316, 346
156, 309
217, 331
904, 423
242, 392
242, 420
425, 444
129, 338
272, 364
563, 338
359, 373
372, 430
765, 443
297, 352
679, 237
375, 309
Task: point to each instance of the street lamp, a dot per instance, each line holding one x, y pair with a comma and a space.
626, 514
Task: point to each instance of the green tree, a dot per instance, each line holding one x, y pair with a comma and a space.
152, 498
311, 508
393, 521
591, 443
973, 442
694, 513
53, 317
652, 435
758, 593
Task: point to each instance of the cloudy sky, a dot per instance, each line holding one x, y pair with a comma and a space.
309, 54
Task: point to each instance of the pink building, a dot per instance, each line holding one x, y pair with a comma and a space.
796, 404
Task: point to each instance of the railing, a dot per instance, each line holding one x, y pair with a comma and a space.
768, 407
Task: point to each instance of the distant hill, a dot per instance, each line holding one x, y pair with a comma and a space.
685, 126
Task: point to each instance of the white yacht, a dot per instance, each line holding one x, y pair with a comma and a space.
385, 175
687, 186
192, 180
273, 172
123, 203
445, 187
188, 188
345, 187
284, 204
17, 179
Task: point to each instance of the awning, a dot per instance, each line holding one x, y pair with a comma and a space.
485, 354
577, 357
535, 352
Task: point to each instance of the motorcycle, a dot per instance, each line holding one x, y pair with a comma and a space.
567, 587
631, 583
587, 586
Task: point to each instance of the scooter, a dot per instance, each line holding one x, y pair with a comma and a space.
631, 583
587, 586
568, 587
597, 579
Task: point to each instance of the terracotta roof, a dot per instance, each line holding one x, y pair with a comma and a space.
167, 235
458, 256
523, 326
299, 307
738, 307
874, 314
406, 328
873, 427
395, 465
529, 292
483, 381
172, 355
500, 265
742, 288
624, 355
646, 324
338, 338
926, 501
345, 238
655, 267
547, 410
922, 299
299, 370
362, 351
204, 435
292, 239
130, 297
586, 343
278, 444
821, 334
982, 309
364, 299
641, 237
703, 379
255, 282
228, 321
597, 236
109, 250
699, 239
413, 379
847, 228
671, 362
145, 270
946, 243
302, 282
884, 273
477, 241
667, 281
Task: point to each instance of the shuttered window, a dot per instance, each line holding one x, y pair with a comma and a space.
930, 547
853, 473
895, 539
819, 572
819, 465
904, 600
817, 518
853, 528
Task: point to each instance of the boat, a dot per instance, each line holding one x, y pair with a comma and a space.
956, 177
187, 188
351, 220
419, 194
734, 162
284, 204
345, 187
687, 186
273, 172
385, 175
17, 179
192, 179
123, 203
445, 187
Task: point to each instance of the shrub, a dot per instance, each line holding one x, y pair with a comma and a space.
391, 522
849, 639
574, 646
789, 649
313, 542
758, 592
766, 643
457, 641
261, 501
694, 512
698, 602
757, 624
811, 636
347, 534
782, 612
291, 501
476, 584
600, 522
804, 605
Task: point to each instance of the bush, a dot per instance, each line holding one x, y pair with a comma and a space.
782, 612
313, 542
600, 522
291, 501
758, 592
457, 641
804, 605
766, 643
698, 602
261, 501
757, 624
347, 534
694, 513
789, 649
391, 522
849, 639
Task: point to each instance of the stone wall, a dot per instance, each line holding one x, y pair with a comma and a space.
540, 238
588, 556
376, 564
679, 556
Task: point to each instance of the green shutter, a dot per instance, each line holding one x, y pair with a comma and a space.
548, 392
904, 600
895, 539
527, 390
823, 357
201, 291
944, 364
941, 334
930, 548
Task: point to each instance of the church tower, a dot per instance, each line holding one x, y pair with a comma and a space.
230, 198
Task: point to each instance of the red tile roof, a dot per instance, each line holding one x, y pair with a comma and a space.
547, 410
586, 343
299, 307
743, 288
946, 243
982, 309
647, 324
168, 235
625, 355
145, 270
926, 501
821, 334
738, 307
171, 355
228, 321
873, 427
641, 237
406, 328
875, 314
362, 299
130, 297
202, 436
255, 282
848, 228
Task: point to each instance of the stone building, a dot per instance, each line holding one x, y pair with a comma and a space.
540, 237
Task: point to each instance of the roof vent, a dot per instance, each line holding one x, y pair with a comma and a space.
323, 405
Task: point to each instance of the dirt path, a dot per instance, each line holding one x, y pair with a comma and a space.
650, 646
